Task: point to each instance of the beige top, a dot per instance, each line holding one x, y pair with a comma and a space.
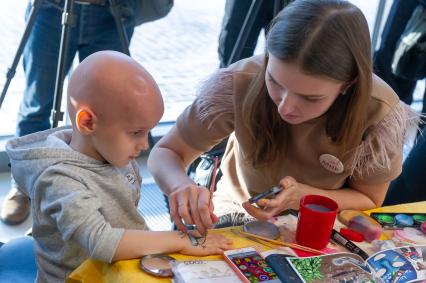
216, 114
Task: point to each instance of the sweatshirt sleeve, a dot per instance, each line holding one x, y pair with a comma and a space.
76, 212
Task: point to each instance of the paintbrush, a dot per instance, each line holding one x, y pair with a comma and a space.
285, 244
213, 181
262, 242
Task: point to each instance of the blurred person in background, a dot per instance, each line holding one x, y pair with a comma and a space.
235, 13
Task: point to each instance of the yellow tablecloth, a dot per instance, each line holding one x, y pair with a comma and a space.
128, 270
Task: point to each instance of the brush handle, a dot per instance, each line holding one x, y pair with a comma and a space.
285, 244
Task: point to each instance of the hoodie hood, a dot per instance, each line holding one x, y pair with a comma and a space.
32, 154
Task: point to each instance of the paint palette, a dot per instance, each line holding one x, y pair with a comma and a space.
399, 220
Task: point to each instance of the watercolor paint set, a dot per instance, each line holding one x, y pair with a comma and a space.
399, 220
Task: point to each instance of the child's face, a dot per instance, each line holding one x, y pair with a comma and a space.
299, 97
119, 140
118, 144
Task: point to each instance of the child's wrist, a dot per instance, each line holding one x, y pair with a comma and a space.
184, 241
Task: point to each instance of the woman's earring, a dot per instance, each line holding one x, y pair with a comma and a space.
348, 86
343, 92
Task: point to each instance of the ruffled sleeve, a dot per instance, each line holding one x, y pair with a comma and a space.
378, 159
210, 118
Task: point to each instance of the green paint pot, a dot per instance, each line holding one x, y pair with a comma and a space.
386, 219
419, 218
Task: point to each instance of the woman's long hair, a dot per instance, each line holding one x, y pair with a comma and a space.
325, 38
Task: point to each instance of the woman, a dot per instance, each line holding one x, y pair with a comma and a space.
309, 115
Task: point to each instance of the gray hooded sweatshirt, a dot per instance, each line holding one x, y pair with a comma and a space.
80, 206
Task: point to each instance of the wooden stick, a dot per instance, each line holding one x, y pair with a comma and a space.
213, 181
259, 241
285, 244
265, 243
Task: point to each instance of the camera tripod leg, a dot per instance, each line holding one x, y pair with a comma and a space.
67, 22
12, 70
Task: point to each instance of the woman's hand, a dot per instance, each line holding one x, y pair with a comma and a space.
192, 204
288, 198
213, 244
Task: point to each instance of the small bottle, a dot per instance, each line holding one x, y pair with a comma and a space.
369, 229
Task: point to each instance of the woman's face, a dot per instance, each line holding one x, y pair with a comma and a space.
299, 97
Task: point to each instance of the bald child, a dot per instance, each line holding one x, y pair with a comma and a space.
84, 182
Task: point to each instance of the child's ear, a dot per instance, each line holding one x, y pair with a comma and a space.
85, 121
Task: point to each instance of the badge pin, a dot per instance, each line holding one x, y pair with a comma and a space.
331, 163
131, 178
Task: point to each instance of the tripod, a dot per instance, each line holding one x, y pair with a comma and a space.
248, 24
68, 20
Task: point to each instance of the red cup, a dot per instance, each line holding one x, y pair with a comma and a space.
316, 220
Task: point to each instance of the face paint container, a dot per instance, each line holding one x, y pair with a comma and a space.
419, 218
423, 227
369, 229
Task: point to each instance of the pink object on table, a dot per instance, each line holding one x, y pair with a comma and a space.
410, 235
423, 227
362, 224
316, 220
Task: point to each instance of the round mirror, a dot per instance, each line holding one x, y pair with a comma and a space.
157, 265
262, 228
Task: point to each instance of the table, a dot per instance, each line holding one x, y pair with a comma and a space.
128, 270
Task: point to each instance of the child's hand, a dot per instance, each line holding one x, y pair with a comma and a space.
214, 244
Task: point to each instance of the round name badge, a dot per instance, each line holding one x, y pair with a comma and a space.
331, 163
131, 178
